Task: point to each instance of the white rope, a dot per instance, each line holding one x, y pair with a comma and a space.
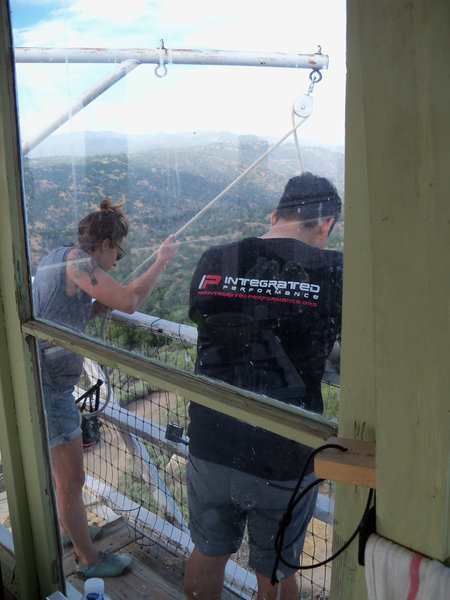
297, 145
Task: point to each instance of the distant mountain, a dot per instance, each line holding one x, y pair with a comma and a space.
91, 143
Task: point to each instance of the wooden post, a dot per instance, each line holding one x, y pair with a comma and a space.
395, 358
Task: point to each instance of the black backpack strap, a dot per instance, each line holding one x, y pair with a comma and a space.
87, 396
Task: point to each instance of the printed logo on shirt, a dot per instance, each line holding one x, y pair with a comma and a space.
261, 289
209, 280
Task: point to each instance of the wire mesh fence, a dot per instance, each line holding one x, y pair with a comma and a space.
138, 466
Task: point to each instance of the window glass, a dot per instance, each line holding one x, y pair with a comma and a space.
119, 155
171, 144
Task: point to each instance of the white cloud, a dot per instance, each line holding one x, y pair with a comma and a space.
256, 100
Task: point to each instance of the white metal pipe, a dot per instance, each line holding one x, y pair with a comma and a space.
83, 100
166, 56
158, 326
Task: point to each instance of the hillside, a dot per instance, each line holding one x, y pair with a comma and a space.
163, 188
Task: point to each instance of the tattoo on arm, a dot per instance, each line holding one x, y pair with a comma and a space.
82, 262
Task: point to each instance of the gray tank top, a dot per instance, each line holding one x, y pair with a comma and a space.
60, 368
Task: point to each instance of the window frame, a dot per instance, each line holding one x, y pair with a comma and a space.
25, 452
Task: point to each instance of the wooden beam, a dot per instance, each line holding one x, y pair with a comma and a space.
356, 466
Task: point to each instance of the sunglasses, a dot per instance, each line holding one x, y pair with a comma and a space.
120, 254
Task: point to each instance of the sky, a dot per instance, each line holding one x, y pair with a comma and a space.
245, 100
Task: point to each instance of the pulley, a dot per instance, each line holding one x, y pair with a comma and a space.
303, 106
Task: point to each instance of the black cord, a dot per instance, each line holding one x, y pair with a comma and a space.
311, 455
286, 519
279, 538
336, 554
82, 400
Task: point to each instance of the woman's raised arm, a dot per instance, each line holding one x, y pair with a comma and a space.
83, 271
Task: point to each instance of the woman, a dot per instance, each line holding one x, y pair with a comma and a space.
66, 282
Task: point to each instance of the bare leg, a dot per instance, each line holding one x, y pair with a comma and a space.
203, 579
68, 473
267, 591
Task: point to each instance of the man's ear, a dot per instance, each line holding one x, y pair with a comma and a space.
273, 218
325, 228
106, 244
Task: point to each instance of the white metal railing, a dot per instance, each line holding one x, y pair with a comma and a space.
168, 329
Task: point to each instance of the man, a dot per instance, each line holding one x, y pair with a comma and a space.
268, 312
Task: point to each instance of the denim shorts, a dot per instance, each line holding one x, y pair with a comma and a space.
63, 416
222, 501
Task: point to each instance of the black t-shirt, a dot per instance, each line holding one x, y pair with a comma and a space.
268, 312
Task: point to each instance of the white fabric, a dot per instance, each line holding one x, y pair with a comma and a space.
396, 573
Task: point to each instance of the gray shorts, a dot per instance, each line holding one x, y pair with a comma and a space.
222, 501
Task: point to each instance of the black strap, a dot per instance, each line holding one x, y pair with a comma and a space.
88, 396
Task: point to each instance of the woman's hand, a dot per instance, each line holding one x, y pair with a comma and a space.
167, 251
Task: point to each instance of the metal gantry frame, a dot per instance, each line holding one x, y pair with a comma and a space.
127, 60
163, 56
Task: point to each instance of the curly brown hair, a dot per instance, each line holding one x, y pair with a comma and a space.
107, 223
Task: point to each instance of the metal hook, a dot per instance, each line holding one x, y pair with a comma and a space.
303, 106
164, 71
315, 76
161, 69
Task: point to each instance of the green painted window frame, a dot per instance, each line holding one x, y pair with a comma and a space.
24, 446
268, 413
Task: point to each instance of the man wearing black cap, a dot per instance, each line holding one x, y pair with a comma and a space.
268, 312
